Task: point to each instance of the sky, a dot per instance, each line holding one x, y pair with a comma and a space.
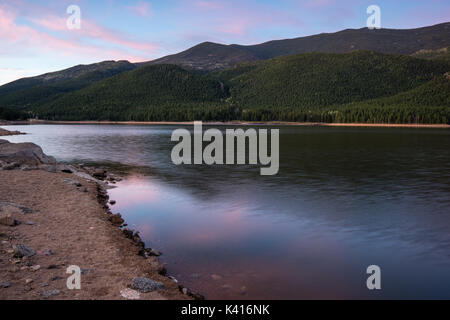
35, 38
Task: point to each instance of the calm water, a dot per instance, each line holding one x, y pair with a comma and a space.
344, 199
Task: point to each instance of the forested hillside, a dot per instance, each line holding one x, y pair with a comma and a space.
442, 54
428, 103
361, 86
316, 80
12, 114
137, 92
36, 91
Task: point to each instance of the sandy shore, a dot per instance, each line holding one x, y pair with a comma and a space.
239, 123
52, 218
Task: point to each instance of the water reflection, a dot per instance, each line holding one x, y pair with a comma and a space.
345, 198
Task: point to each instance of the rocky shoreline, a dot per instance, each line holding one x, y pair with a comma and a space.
53, 216
4, 132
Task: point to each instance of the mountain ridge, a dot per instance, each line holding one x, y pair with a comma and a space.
302, 87
208, 57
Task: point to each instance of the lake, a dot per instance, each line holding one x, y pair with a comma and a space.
344, 199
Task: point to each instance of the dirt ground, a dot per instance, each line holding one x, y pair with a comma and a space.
70, 222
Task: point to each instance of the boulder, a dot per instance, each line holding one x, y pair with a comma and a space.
128, 233
10, 166
23, 153
157, 266
130, 294
145, 285
22, 250
99, 174
65, 168
14, 208
116, 219
7, 219
153, 252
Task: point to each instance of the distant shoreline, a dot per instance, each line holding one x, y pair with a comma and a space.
235, 123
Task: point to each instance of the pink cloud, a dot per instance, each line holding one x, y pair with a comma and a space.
91, 30
204, 4
234, 19
111, 44
236, 27
319, 3
142, 8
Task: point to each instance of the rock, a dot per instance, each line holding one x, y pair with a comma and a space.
49, 168
86, 176
189, 293
48, 252
29, 167
65, 168
99, 174
10, 207
128, 233
137, 239
13, 269
173, 279
116, 219
52, 266
35, 268
22, 250
155, 253
157, 265
112, 202
11, 166
30, 223
216, 277
56, 278
5, 284
146, 285
4, 132
23, 153
28, 281
72, 182
130, 294
7, 219
50, 293
86, 271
